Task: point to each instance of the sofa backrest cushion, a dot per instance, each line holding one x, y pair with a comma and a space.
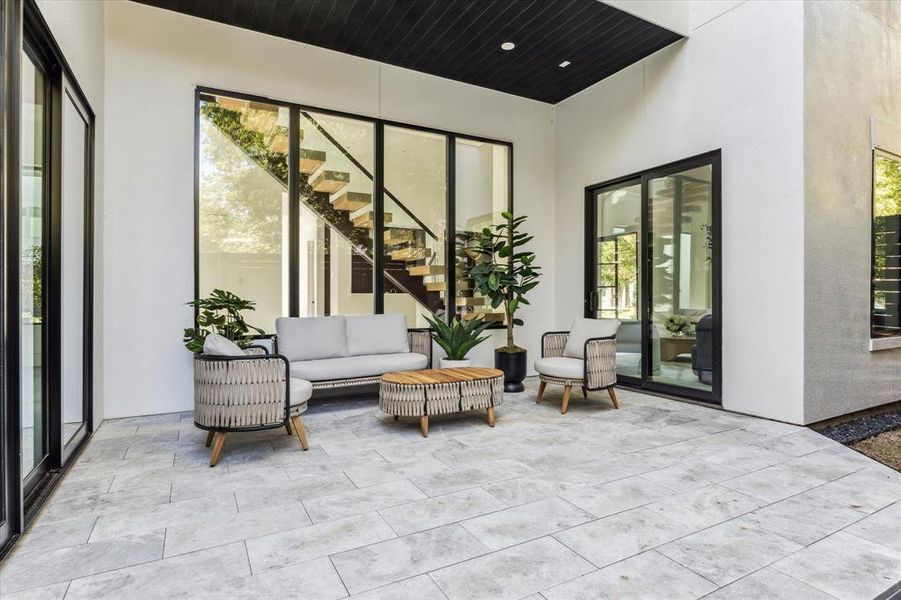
585, 329
377, 334
219, 345
311, 338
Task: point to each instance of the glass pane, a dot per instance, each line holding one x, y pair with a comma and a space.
886, 246
337, 159
243, 212
482, 191
618, 270
415, 223
32, 272
681, 279
75, 132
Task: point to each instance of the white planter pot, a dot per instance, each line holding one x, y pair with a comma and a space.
451, 364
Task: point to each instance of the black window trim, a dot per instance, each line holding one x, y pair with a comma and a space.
379, 125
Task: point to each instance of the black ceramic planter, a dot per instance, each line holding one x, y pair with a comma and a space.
513, 364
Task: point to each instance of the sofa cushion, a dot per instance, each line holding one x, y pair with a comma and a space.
377, 334
560, 366
368, 365
311, 338
219, 345
585, 329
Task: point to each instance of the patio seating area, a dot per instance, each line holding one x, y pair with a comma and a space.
657, 496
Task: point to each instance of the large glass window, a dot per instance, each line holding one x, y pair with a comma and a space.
415, 223
316, 254
337, 159
482, 191
243, 203
886, 304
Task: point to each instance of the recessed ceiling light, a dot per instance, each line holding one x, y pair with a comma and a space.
564, 64
508, 46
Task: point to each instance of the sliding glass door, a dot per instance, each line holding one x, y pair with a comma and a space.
34, 213
652, 262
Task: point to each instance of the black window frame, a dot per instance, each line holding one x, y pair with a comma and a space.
712, 158
877, 151
295, 109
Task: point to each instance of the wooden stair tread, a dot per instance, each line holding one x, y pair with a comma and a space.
437, 286
470, 301
488, 316
310, 160
351, 201
330, 182
367, 220
425, 270
411, 254
399, 235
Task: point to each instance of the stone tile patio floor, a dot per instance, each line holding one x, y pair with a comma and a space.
657, 499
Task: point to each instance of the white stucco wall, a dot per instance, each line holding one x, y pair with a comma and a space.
78, 27
737, 84
154, 59
852, 72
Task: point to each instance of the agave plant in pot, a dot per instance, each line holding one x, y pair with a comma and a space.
505, 273
457, 339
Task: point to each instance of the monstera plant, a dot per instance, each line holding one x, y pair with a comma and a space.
220, 312
505, 273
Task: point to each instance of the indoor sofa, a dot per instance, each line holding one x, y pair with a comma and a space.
339, 351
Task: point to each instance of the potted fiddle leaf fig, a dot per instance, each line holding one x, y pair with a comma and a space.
505, 273
457, 339
220, 312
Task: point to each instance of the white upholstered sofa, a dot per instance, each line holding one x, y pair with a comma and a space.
340, 351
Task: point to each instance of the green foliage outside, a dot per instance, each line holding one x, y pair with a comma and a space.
503, 273
220, 313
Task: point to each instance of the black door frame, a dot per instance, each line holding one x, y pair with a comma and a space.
714, 159
24, 26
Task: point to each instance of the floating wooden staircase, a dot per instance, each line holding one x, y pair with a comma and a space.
329, 182
351, 201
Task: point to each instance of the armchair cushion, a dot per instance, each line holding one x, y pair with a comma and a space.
219, 345
377, 334
561, 366
311, 338
585, 329
301, 390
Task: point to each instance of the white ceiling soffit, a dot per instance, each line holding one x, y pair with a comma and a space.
670, 14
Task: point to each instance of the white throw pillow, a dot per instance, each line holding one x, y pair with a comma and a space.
311, 338
219, 345
585, 329
377, 334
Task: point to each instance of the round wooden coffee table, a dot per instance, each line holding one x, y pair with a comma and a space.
441, 391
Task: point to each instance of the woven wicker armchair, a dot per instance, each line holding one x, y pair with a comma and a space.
596, 371
247, 393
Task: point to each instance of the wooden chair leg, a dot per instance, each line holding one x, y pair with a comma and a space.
566, 392
491, 416
541, 387
424, 425
612, 393
288, 427
209, 438
218, 441
301, 434
585, 392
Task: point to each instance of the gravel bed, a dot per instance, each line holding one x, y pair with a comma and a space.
861, 429
885, 447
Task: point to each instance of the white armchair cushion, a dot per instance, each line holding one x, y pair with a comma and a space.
311, 338
301, 390
377, 334
219, 345
585, 329
560, 366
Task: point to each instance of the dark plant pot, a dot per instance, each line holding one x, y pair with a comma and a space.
513, 364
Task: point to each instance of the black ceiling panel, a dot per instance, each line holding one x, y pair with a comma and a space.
459, 39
